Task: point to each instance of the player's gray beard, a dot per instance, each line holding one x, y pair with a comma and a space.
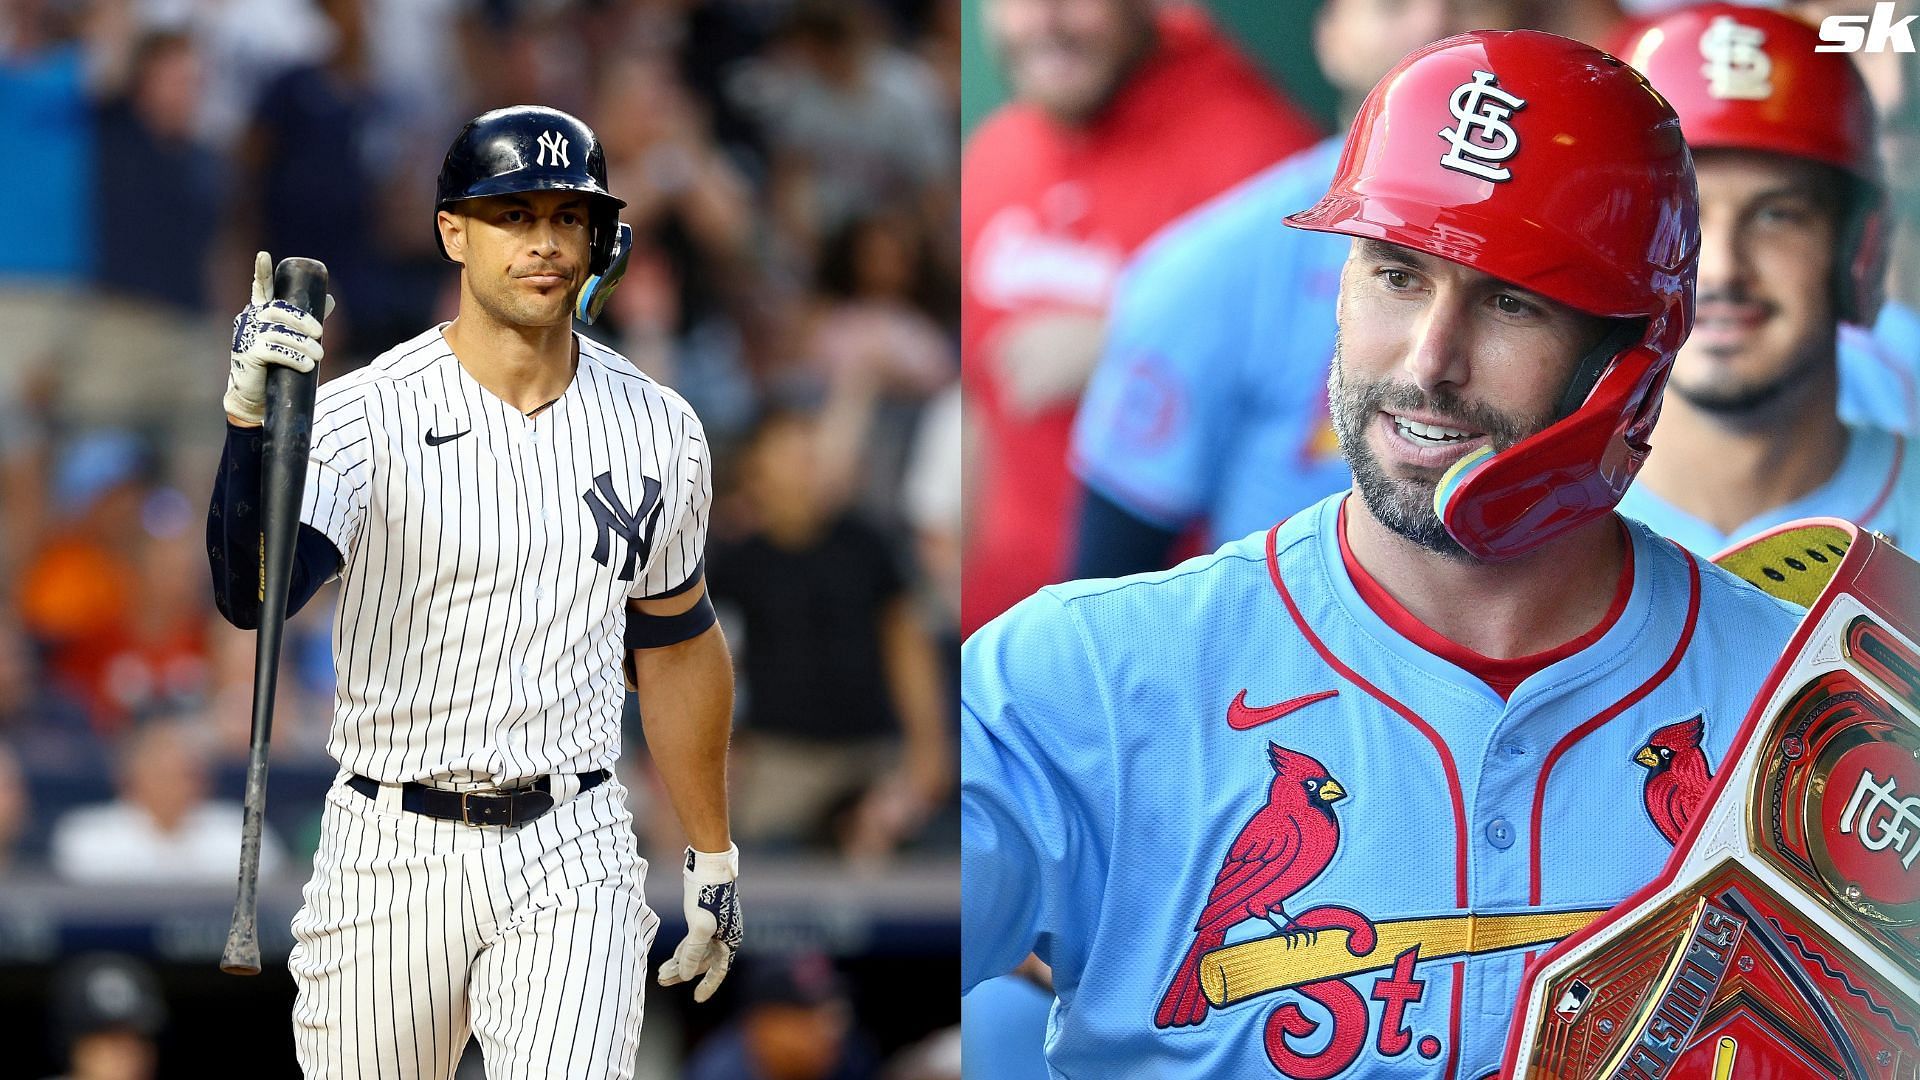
1406, 505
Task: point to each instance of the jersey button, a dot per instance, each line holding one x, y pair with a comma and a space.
1500, 833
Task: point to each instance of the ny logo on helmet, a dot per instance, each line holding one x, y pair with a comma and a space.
1483, 138
1737, 68
555, 143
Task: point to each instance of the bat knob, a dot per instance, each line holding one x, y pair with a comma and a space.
302, 283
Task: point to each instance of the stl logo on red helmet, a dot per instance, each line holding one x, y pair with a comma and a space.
1482, 139
1737, 68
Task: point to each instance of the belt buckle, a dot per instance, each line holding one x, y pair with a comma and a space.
466, 808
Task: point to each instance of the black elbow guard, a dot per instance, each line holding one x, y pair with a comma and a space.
646, 631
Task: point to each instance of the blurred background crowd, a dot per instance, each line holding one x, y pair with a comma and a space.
790, 173
1144, 342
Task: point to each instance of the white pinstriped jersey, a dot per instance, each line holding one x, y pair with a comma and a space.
488, 559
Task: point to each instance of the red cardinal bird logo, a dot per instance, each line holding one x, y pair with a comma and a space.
1282, 847
1677, 775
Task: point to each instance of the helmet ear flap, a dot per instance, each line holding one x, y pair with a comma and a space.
1640, 425
605, 221
1620, 336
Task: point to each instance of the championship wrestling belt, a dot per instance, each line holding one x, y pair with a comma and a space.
1783, 937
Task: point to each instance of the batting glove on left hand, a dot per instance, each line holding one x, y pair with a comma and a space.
267, 332
714, 927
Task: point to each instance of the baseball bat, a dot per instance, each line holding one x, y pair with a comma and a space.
289, 435
1281, 962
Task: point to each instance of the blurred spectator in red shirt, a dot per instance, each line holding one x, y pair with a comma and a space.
1122, 121
76, 593
115, 595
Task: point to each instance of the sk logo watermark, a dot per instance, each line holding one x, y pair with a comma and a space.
554, 143
1482, 139
1737, 67
1859, 33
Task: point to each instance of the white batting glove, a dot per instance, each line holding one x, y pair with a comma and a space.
269, 331
714, 926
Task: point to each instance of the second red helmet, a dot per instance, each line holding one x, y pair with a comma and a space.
1744, 78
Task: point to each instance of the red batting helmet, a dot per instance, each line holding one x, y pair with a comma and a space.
1745, 78
1551, 165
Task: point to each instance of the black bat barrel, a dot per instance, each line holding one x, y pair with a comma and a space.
289, 434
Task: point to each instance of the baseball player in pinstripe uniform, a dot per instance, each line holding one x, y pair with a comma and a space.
515, 513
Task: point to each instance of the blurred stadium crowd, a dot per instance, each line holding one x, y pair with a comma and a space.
789, 168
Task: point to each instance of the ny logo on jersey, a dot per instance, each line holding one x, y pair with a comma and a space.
552, 142
1737, 68
1483, 138
637, 527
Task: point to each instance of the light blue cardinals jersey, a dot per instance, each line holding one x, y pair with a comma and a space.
1209, 403
1880, 371
1198, 793
1876, 487
1210, 400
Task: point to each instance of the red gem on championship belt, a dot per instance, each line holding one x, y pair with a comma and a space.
1869, 815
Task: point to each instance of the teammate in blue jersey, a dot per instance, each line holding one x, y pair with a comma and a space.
1208, 406
1246, 807
1793, 242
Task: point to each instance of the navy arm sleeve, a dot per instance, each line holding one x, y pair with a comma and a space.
233, 537
1114, 543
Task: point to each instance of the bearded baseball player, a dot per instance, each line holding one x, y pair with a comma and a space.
1793, 244
1206, 408
513, 510
1305, 806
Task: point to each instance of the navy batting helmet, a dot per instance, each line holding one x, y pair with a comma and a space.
532, 148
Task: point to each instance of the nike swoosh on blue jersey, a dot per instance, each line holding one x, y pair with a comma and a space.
1241, 716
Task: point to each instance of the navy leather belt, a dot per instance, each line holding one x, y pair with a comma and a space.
516, 807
